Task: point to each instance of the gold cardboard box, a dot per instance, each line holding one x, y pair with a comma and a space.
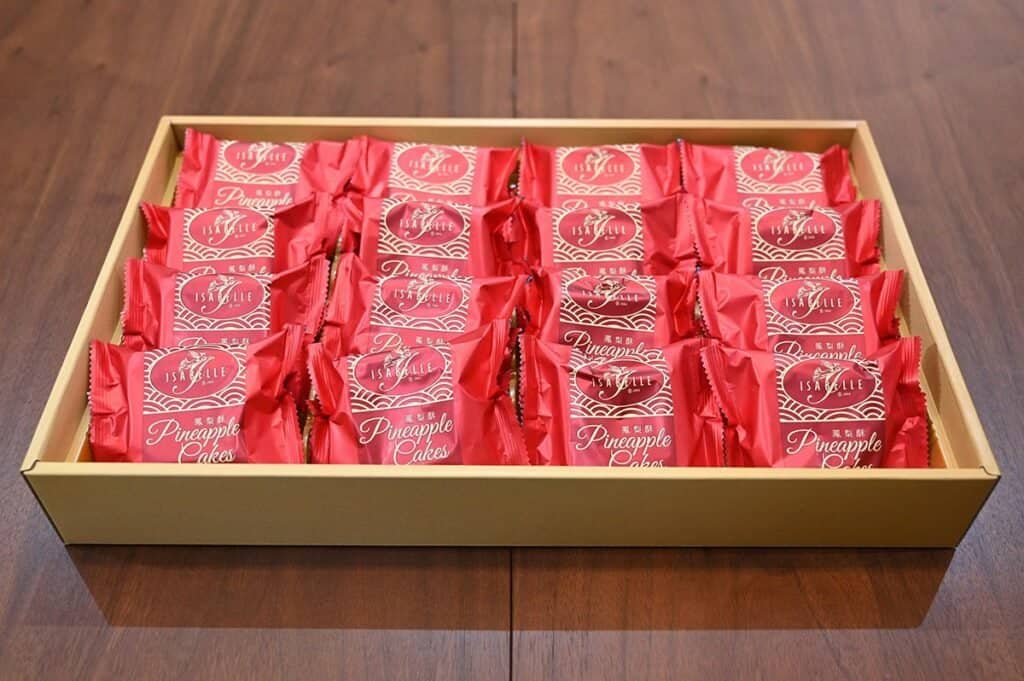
156, 503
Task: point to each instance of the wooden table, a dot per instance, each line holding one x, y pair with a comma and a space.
82, 86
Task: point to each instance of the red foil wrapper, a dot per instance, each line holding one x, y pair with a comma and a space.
422, 404
649, 409
236, 240
819, 317
165, 307
760, 176
328, 167
797, 411
200, 404
776, 243
369, 313
434, 172
581, 177
612, 315
259, 175
398, 237
650, 238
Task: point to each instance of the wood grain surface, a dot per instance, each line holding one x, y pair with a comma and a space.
940, 82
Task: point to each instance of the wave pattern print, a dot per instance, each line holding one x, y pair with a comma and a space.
791, 411
393, 245
193, 251
571, 312
364, 400
745, 184
226, 172
852, 323
630, 186
156, 402
632, 250
384, 315
582, 406
398, 178
186, 320
762, 251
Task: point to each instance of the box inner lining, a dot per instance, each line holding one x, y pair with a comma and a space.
802, 139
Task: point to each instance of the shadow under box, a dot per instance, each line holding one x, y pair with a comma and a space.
549, 589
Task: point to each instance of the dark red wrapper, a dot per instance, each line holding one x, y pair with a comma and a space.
259, 175
649, 238
367, 313
434, 172
761, 176
776, 243
798, 411
165, 307
236, 240
820, 317
423, 404
200, 404
581, 177
649, 409
611, 315
398, 237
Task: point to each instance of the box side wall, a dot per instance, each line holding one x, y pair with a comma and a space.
464, 510
791, 134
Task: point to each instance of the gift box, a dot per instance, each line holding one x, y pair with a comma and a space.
297, 504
